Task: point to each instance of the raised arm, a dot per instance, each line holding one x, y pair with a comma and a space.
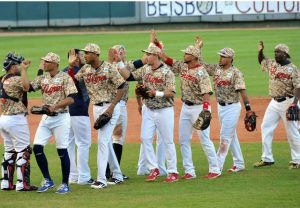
25, 83
260, 52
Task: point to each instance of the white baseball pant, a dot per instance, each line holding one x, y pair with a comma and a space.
123, 121
229, 117
161, 120
188, 116
143, 168
276, 111
80, 134
59, 126
14, 130
105, 149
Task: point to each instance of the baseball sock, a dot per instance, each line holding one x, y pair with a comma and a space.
118, 148
65, 164
41, 160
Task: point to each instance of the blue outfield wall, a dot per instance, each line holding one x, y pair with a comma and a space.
59, 14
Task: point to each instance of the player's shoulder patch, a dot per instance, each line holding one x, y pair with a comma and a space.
57, 80
200, 73
229, 75
105, 69
290, 70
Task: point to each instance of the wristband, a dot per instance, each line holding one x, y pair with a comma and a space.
159, 94
205, 105
169, 61
247, 107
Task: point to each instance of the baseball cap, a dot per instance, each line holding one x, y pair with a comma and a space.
153, 49
227, 52
192, 50
51, 57
284, 48
92, 48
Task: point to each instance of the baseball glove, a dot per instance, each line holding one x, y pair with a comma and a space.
101, 121
203, 120
250, 121
292, 113
39, 110
142, 90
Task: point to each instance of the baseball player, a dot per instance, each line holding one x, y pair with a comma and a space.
80, 131
284, 88
58, 90
158, 112
119, 132
14, 127
228, 85
105, 87
160, 151
195, 91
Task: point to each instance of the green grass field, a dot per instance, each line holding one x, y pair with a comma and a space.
272, 187
268, 187
244, 42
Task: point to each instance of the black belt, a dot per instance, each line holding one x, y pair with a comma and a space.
101, 104
281, 99
224, 104
189, 103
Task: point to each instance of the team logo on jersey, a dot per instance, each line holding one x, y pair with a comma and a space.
229, 75
290, 70
165, 71
56, 81
105, 69
46, 81
200, 73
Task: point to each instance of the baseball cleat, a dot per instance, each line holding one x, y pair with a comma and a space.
63, 189
293, 165
153, 175
234, 169
188, 176
172, 177
262, 164
114, 181
89, 182
125, 177
212, 175
98, 185
46, 184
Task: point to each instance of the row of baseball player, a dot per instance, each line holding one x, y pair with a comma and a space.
104, 85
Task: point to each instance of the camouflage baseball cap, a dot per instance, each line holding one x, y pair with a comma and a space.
284, 48
227, 53
153, 49
192, 50
92, 48
51, 57
120, 48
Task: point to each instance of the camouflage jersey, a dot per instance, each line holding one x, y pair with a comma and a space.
194, 82
54, 89
101, 83
126, 86
159, 79
227, 82
283, 80
13, 88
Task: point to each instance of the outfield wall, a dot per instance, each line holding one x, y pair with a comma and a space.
60, 14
